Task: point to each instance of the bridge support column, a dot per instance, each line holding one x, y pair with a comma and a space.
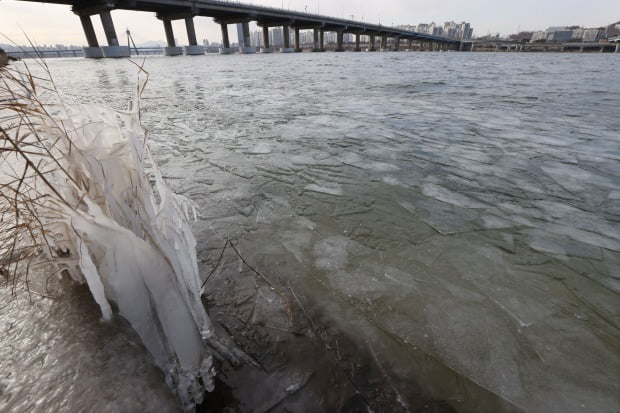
225, 49
322, 40
410, 45
93, 50
297, 41
171, 49
340, 41
396, 44
193, 49
384, 43
371, 43
286, 37
617, 47
316, 41
247, 42
266, 46
112, 49
357, 42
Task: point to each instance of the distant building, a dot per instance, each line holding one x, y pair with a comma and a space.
613, 30
592, 35
452, 30
240, 35
569, 34
275, 37
522, 37
559, 35
256, 38
539, 37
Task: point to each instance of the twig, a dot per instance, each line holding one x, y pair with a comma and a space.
219, 260
337, 359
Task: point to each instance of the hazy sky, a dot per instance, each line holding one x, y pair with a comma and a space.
51, 24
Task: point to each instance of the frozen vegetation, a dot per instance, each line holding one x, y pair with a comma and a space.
77, 200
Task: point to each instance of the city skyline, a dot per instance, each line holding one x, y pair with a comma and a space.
55, 24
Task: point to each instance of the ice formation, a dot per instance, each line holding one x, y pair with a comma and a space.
84, 202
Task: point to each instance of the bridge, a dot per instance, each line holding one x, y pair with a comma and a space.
228, 12
498, 45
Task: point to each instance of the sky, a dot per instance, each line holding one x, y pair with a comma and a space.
55, 24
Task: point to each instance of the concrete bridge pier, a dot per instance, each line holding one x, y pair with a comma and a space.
371, 43
357, 42
113, 49
317, 46
246, 47
396, 44
340, 41
322, 40
171, 49
93, 50
384, 40
225, 49
410, 45
266, 46
193, 49
286, 37
297, 41
617, 47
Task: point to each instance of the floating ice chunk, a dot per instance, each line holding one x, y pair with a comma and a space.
331, 253
450, 197
260, 149
302, 160
353, 159
391, 180
332, 190
615, 195
573, 178
490, 221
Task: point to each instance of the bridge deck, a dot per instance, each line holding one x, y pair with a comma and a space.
233, 12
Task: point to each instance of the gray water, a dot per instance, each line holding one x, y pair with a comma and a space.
457, 213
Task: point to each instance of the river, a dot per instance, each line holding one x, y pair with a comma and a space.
456, 213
